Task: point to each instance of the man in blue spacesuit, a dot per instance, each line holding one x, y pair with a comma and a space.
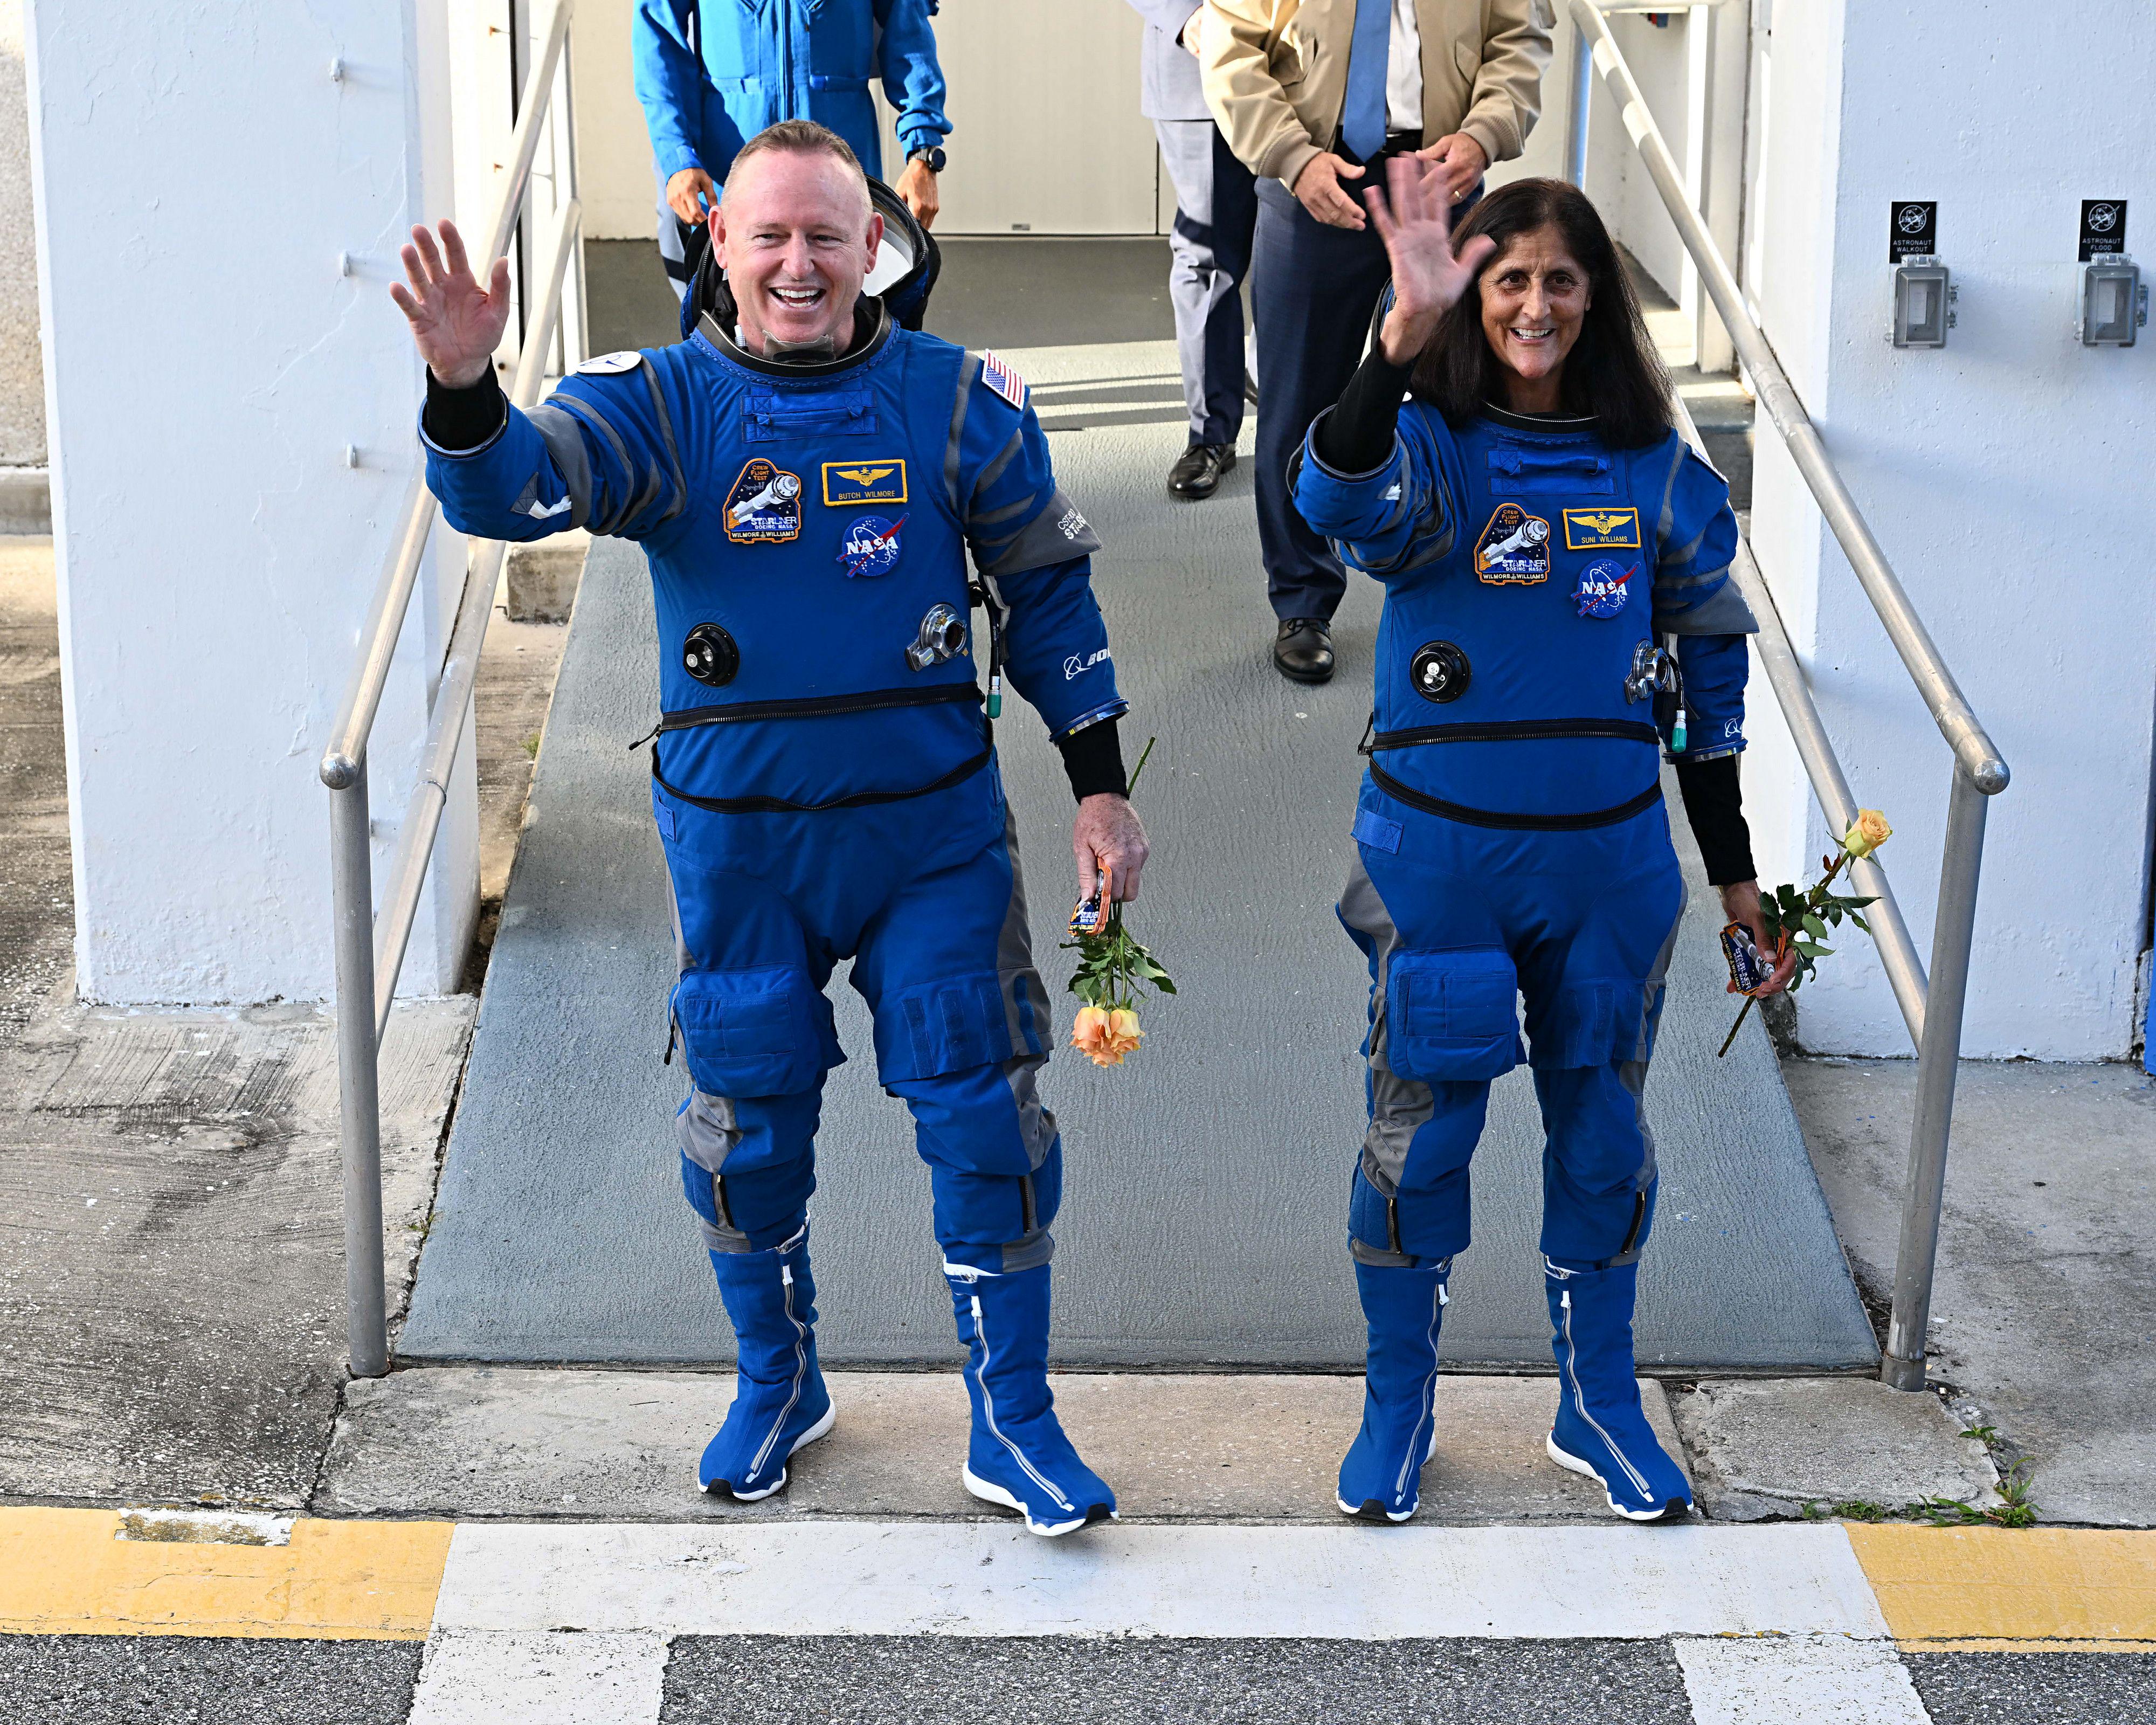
806, 481
1557, 603
712, 74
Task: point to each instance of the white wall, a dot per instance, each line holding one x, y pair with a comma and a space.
198, 173
2008, 477
613, 151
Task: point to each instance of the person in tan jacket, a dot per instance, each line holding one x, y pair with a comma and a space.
1313, 96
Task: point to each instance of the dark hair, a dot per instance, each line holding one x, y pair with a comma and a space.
1613, 372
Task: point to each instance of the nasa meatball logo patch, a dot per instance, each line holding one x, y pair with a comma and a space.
1603, 587
1513, 548
871, 547
764, 507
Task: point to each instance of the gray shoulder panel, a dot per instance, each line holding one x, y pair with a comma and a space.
1722, 612
564, 438
1055, 536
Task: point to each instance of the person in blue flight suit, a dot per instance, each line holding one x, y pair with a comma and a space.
807, 481
712, 74
1542, 533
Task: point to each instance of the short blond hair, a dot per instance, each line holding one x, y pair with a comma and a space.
799, 137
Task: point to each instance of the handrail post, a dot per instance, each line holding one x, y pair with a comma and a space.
1938, 1064
359, 1077
1577, 99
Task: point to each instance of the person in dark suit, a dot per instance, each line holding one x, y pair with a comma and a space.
1216, 208
1314, 97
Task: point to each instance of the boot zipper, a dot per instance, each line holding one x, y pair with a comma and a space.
1408, 1462
800, 1372
1579, 1400
988, 1407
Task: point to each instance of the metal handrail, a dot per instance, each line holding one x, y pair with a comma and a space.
1932, 1007
1778, 396
370, 946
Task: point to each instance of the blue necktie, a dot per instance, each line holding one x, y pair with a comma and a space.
1362, 119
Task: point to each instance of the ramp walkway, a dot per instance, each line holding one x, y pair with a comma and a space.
1204, 1218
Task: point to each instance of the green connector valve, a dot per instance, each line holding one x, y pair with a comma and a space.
1677, 734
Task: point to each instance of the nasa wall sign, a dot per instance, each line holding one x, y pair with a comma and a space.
2103, 229
1912, 229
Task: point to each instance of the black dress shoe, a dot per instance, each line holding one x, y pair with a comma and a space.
1303, 650
1197, 469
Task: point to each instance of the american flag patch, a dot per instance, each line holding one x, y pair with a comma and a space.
1005, 381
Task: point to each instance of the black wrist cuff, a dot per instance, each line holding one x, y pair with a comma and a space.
1714, 805
462, 419
1094, 759
1357, 435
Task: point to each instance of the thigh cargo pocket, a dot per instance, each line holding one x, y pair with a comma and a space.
953, 1025
751, 1033
1452, 1015
1588, 1024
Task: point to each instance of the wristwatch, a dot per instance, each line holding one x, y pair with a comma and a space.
931, 157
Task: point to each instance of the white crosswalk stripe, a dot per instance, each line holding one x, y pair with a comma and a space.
1797, 1680
540, 1677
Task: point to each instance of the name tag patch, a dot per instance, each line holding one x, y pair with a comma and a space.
1601, 530
764, 507
1513, 548
849, 483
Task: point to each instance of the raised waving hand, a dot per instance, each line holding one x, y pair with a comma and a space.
457, 323
1415, 219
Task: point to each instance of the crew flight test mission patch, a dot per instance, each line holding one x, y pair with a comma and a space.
764, 507
1513, 548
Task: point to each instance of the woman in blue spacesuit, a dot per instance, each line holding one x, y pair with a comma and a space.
1558, 610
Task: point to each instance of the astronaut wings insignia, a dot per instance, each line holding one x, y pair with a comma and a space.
847, 484
1514, 548
1601, 530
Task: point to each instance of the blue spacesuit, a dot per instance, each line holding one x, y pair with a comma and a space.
825, 787
712, 74
1511, 841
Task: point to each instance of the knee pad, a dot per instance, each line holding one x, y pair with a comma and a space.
995, 1165
748, 1167
1418, 1224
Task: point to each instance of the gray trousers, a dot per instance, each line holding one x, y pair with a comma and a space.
1216, 210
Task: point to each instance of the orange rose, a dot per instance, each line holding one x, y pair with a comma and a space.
1105, 1037
1088, 1035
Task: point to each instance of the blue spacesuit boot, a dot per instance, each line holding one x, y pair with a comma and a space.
1381, 1477
1601, 1429
1018, 1455
780, 1403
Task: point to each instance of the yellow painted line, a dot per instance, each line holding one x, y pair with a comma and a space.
63, 1572
2013, 1587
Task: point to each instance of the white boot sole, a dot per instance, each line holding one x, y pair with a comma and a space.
1573, 1464
990, 1492
1355, 1514
821, 1429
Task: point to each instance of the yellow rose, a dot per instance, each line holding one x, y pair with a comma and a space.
1123, 1032
1866, 834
